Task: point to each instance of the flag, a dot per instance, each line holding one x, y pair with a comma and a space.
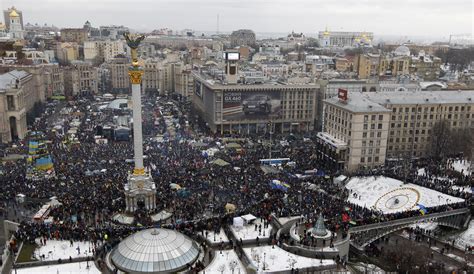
423, 209
345, 217
44, 163
276, 184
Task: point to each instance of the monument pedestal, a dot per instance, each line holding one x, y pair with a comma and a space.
140, 193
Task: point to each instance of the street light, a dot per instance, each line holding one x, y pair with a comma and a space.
270, 130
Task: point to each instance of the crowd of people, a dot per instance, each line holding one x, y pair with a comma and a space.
90, 176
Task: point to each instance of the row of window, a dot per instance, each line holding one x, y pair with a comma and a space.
369, 159
432, 109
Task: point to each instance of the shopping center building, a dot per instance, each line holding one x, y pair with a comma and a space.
228, 104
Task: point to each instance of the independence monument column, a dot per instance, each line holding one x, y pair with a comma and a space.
140, 190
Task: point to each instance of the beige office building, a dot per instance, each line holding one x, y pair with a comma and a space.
372, 127
354, 134
413, 115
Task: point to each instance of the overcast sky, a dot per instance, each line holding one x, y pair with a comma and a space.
435, 18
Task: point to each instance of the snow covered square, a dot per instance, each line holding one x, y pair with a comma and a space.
226, 261
390, 195
72, 268
54, 250
276, 259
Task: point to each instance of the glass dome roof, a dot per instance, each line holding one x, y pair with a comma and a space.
155, 251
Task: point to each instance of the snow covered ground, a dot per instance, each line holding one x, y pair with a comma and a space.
284, 220
466, 237
220, 237
462, 166
248, 232
123, 219
161, 216
426, 225
72, 268
54, 250
224, 263
390, 195
277, 259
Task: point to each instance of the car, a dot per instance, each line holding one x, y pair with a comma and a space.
257, 104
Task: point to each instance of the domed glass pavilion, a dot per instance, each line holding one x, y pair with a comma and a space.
155, 251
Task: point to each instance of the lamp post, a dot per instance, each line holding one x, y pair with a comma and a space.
270, 130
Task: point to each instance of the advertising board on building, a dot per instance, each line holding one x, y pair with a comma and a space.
251, 105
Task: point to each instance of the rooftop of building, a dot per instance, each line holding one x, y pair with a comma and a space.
422, 97
215, 83
357, 103
7, 80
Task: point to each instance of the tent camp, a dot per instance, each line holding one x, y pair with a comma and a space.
220, 162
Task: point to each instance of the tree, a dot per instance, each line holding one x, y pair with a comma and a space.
441, 139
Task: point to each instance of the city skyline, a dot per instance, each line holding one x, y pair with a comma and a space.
402, 18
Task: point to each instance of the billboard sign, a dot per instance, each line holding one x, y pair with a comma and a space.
342, 94
252, 105
231, 56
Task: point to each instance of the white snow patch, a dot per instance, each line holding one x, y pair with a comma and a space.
462, 166
277, 259
248, 232
466, 189
466, 238
284, 220
426, 225
224, 262
219, 237
72, 268
54, 250
380, 193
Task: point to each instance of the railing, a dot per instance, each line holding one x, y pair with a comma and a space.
409, 220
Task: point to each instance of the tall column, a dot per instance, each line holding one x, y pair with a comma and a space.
135, 78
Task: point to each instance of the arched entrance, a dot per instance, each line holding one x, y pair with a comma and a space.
13, 128
141, 202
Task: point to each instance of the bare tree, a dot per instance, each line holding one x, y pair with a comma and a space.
441, 140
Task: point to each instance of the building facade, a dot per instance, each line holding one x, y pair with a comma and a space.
354, 133
242, 37
119, 74
78, 35
369, 128
17, 98
344, 38
249, 108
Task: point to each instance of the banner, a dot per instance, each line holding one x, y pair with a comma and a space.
253, 105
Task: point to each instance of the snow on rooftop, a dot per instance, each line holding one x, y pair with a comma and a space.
277, 259
421, 97
390, 195
357, 102
328, 138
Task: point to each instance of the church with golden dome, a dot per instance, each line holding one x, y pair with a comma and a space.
13, 23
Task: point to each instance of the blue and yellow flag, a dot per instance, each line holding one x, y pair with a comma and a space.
423, 209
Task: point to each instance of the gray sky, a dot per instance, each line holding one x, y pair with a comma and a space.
437, 18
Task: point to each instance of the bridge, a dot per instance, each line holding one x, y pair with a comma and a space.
365, 234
